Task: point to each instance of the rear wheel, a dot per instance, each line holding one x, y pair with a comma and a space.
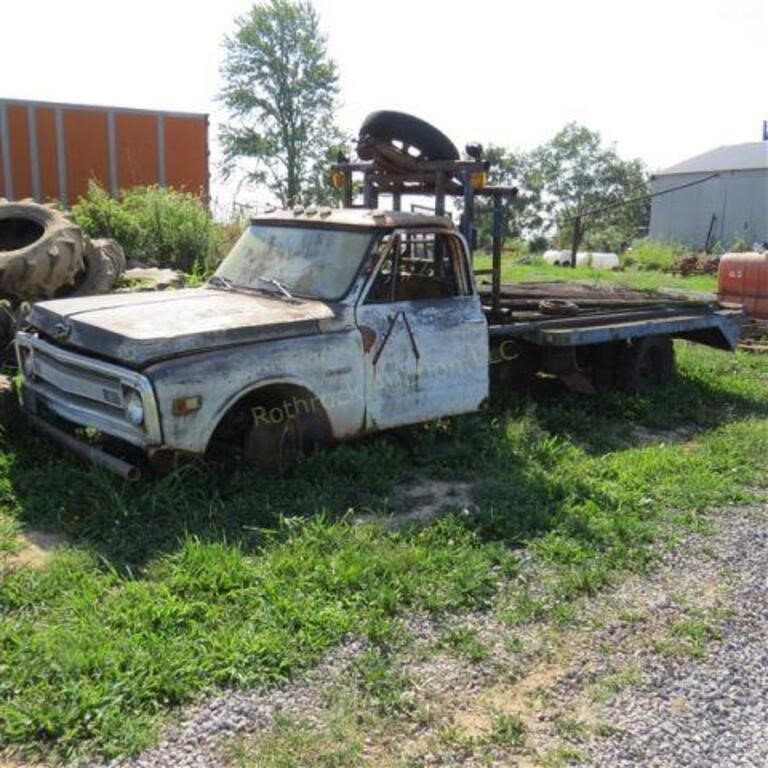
513, 366
645, 364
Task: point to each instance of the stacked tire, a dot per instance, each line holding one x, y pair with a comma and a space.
104, 262
41, 250
43, 254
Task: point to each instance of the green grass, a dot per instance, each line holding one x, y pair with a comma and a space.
609, 685
335, 743
507, 730
633, 276
212, 578
688, 637
465, 642
556, 757
570, 728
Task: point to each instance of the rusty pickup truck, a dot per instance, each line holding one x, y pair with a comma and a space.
322, 325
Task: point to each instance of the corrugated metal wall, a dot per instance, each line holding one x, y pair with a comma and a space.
738, 200
52, 151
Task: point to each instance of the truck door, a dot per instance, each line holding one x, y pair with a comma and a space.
425, 337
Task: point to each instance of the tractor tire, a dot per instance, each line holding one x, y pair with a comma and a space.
404, 131
113, 250
41, 251
9, 406
104, 263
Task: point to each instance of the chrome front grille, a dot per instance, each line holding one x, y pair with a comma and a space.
85, 391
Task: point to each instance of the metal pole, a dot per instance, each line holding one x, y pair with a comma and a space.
439, 194
90, 452
346, 199
496, 265
469, 210
368, 193
5, 148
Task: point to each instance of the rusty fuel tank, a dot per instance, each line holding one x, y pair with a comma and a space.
742, 278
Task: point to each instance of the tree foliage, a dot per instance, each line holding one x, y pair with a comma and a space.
581, 176
280, 89
573, 172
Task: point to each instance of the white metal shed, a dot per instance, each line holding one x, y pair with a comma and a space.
714, 198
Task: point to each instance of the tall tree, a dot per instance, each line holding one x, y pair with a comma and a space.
578, 175
280, 87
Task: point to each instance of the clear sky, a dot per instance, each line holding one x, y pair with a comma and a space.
663, 79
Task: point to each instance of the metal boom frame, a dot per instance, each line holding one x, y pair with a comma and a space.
437, 179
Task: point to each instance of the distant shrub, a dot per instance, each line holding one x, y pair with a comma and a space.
651, 254
538, 244
740, 245
155, 225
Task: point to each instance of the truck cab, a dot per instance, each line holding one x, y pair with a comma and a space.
320, 325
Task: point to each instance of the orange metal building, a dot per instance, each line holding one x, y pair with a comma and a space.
50, 150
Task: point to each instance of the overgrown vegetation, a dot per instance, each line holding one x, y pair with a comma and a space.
155, 225
651, 254
209, 579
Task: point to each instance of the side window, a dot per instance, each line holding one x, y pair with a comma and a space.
420, 265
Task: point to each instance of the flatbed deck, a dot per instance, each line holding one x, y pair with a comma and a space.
567, 314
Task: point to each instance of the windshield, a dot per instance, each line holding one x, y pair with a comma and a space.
313, 263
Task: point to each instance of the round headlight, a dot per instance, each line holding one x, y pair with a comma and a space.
134, 407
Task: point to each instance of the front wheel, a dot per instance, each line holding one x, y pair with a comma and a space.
274, 445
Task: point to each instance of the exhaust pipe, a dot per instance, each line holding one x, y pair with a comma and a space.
88, 452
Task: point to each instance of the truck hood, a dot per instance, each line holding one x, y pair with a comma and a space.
136, 329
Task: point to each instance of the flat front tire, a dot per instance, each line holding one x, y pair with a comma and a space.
274, 446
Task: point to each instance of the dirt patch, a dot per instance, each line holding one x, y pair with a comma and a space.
422, 501
645, 436
426, 499
35, 550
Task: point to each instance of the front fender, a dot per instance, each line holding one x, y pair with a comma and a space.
329, 366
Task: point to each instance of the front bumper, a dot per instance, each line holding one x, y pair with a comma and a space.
86, 451
85, 391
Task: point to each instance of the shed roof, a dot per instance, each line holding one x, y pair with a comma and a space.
733, 157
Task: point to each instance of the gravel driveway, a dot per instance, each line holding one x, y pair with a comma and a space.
710, 711
670, 669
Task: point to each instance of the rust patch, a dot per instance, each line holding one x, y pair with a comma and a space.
369, 338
